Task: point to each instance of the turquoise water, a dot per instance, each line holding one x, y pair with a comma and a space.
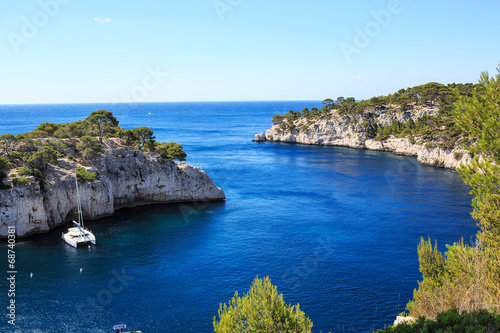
336, 229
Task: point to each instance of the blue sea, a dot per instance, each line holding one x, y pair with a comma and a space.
336, 229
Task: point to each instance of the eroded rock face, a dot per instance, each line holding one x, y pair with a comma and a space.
347, 130
128, 178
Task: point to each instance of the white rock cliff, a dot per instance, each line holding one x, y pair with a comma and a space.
128, 178
347, 130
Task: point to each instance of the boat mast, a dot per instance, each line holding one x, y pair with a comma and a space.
78, 203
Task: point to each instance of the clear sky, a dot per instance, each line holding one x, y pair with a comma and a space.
70, 51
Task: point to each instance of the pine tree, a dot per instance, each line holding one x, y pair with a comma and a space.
479, 117
261, 310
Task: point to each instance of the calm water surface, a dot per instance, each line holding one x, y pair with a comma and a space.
336, 229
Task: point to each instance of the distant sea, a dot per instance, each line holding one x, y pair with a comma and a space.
336, 230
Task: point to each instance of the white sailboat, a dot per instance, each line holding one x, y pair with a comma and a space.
78, 235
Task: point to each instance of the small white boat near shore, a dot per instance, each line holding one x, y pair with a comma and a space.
78, 235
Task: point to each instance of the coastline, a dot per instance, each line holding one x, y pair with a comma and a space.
128, 177
347, 131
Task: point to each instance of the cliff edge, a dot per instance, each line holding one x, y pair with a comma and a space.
127, 177
357, 131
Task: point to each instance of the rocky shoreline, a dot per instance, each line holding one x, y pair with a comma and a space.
348, 131
128, 177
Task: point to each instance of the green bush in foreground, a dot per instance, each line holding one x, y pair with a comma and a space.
84, 175
453, 322
261, 310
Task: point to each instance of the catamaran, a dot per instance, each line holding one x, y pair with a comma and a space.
78, 235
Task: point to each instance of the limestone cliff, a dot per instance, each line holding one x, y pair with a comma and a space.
128, 177
353, 131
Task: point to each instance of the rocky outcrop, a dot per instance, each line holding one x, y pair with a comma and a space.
400, 320
128, 177
354, 131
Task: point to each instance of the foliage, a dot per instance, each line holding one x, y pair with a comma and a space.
4, 167
104, 122
25, 171
49, 128
15, 155
75, 129
7, 137
468, 278
90, 146
451, 321
36, 134
44, 156
171, 151
90, 154
21, 181
478, 116
261, 310
291, 116
442, 125
84, 175
4, 164
144, 137
457, 280
56, 145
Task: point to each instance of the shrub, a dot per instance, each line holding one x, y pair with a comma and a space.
46, 155
459, 279
90, 154
84, 175
451, 321
171, 151
49, 128
56, 145
21, 181
261, 310
4, 164
25, 171
36, 134
458, 155
88, 142
16, 155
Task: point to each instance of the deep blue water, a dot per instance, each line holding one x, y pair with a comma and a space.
336, 229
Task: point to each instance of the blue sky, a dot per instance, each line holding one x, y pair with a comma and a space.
69, 51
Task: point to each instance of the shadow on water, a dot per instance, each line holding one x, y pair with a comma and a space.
125, 220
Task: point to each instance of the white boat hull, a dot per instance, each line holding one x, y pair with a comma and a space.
77, 236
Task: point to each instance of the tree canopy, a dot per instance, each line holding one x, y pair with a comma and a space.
261, 309
467, 277
34, 150
479, 117
104, 122
171, 151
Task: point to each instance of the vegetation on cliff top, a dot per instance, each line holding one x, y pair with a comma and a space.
428, 95
82, 141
